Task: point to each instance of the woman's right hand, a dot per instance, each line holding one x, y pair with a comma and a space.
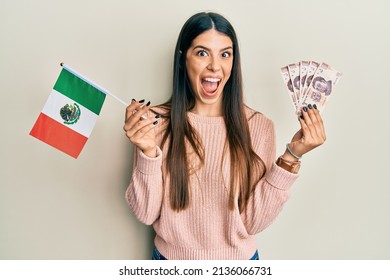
140, 129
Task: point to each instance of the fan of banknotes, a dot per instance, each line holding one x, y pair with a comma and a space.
309, 82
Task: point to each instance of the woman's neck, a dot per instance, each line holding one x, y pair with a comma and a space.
206, 110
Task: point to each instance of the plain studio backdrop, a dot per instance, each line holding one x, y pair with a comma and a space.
55, 207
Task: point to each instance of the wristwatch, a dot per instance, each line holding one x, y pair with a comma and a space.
290, 166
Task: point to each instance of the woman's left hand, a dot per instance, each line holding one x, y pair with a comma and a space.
311, 134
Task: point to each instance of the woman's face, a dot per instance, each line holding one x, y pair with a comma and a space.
209, 62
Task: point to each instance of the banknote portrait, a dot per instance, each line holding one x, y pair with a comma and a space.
303, 79
308, 80
290, 86
323, 86
297, 83
316, 96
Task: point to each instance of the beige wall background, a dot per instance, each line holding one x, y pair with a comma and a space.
55, 207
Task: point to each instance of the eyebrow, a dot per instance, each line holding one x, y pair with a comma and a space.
207, 49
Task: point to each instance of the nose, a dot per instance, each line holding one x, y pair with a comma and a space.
214, 65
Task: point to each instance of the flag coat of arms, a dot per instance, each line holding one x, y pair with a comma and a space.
70, 113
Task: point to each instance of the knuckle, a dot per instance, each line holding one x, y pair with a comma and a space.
310, 125
320, 141
129, 109
133, 140
141, 131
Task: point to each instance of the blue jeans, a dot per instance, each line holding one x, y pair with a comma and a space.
255, 256
157, 255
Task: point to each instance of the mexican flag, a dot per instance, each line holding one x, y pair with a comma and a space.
70, 113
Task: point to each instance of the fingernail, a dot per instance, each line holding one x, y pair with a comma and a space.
147, 104
156, 122
305, 109
310, 107
132, 100
158, 116
301, 116
315, 106
142, 101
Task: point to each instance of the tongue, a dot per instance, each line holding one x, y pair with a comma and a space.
210, 87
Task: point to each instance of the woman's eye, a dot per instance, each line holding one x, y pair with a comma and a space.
226, 54
202, 53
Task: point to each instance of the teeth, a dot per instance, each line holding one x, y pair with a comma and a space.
212, 80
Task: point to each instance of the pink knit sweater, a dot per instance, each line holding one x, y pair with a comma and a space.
207, 229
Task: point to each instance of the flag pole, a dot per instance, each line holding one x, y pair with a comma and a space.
62, 64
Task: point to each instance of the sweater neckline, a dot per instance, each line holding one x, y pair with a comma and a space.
205, 119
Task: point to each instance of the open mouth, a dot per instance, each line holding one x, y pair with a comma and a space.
210, 85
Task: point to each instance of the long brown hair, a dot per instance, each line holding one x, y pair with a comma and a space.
246, 168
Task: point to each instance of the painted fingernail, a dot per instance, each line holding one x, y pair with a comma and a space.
132, 100
301, 116
142, 101
315, 106
305, 109
310, 107
158, 116
156, 122
147, 104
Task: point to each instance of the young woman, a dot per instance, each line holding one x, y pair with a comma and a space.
205, 171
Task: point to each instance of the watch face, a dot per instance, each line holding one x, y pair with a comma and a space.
295, 168
291, 167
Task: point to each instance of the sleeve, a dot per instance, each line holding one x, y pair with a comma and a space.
273, 190
145, 191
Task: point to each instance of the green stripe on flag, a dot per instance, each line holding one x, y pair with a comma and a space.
80, 91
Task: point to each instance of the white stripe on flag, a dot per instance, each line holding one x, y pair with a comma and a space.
56, 101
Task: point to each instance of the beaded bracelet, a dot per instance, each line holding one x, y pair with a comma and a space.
291, 152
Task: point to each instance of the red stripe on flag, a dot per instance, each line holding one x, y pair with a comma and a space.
58, 135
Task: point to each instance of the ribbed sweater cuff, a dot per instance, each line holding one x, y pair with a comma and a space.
280, 178
148, 165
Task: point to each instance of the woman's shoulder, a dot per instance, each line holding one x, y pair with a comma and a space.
260, 126
256, 116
